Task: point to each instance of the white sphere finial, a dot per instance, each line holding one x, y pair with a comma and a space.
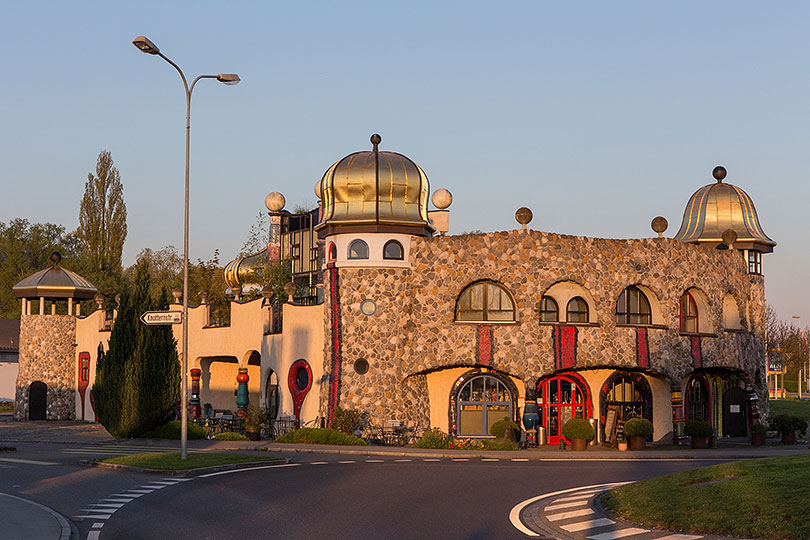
442, 198
275, 202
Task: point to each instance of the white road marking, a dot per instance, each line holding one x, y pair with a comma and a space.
431, 459
119, 500
248, 469
93, 535
105, 516
565, 505
587, 524
514, 514
621, 533
587, 495
109, 505
490, 459
318, 462
128, 495
153, 486
27, 461
100, 510
97, 525
179, 479
141, 491
347, 461
571, 514
460, 459
520, 459
164, 482
679, 537
375, 461
403, 460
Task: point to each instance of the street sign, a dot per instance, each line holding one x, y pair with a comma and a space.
162, 317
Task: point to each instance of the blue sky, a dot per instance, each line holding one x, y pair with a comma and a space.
596, 115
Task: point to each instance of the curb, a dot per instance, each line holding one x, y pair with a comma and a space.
63, 522
184, 472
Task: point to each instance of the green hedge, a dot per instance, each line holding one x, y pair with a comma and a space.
230, 436
433, 438
171, 430
320, 436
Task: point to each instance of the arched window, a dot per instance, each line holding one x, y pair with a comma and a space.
633, 307
697, 399
689, 314
482, 401
332, 251
485, 301
358, 249
393, 250
549, 312
577, 310
630, 392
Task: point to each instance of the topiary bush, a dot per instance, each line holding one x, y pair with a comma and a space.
505, 429
229, 436
320, 436
347, 420
758, 428
638, 427
787, 422
434, 438
698, 428
171, 430
577, 428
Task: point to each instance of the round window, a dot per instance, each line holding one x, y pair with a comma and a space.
368, 308
302, 378
361, 366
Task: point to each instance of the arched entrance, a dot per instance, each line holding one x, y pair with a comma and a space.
630, 392
698, 401
37, 401
479, 400
561, 397
735, 423
272, 396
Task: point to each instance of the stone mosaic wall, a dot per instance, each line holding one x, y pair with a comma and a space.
47, 354
413, 330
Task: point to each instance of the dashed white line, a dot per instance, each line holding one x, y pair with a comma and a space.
571, 514
520, 459
431, 459
347, 461
27, 461
318, 462
232, 471
375, 461
490, 459
460, 459
403, 460
621, 533
587, 524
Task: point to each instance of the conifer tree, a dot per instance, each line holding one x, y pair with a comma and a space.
138, 378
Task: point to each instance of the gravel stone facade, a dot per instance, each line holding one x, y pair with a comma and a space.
47, 353
413, 331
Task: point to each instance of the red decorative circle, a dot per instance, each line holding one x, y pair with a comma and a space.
242, 378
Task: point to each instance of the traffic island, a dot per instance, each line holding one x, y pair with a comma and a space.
196, 463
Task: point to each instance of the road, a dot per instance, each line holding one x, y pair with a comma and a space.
316, 496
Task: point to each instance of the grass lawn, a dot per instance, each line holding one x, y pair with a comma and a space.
171, 460
762, 498
795, 407
6, 406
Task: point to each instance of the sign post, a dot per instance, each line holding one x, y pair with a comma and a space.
162, 317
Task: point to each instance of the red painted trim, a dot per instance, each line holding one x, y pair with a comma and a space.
484, 345
334, 382
298, 395
542, 408
642, 348
697, 357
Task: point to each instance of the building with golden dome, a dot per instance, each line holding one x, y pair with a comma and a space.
390, 316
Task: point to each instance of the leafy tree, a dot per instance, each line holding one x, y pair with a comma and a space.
138, 379
165, 266
258, 236
26, 248
208, 278
103, 225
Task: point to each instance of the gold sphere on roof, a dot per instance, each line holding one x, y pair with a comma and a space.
375, 191
715, 208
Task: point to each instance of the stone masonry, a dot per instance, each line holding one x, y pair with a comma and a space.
413, 330
47, 352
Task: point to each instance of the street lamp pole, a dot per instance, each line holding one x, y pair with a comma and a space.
148, 47
801, 350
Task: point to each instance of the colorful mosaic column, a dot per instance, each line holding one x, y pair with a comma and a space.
242, 398
531, 418
195, 393
753, 405
677, 415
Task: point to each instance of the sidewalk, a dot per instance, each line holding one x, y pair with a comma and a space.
26, 520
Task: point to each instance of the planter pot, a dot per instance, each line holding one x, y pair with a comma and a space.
637, 442
700, 442
579, 445
253, 435
789, 436
758, 438
622, 446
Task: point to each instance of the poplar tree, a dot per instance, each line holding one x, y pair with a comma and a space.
138, 379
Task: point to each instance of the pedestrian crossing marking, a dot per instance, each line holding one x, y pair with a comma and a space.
565, 505
100, 516
109, 505
100, 510
679, 537
588, 524
621, 533
571, 514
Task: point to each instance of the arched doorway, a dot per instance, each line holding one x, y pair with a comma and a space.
735, 423
272, 396
479, 400
559, 398
630, 392
698, 401
37, 401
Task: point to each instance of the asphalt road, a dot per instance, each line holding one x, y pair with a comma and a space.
317, 497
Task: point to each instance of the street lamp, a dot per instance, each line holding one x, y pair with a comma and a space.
145, 45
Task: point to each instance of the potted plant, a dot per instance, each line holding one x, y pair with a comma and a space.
254, 420
788, 425
579, 431
758, 434
621, 443
637, 430
699, 431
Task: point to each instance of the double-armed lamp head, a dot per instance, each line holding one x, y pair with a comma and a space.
145, 45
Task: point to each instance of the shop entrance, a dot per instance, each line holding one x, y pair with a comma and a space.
560, 398
735, 423
37, 400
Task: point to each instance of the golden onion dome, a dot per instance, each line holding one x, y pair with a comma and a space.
247, 270
55, 282
374, 192
715, 208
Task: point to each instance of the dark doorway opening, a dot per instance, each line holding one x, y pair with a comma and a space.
735, 423
37, 400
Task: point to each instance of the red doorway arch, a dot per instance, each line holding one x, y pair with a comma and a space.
560, 397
